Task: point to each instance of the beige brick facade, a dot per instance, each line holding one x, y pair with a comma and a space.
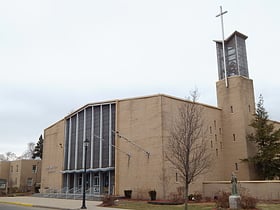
24, 175
147, 122
238, 106
4, 176
53, 157
4, 169
128, 140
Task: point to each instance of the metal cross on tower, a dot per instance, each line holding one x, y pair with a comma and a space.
223, 42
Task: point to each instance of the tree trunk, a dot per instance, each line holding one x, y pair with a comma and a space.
186, 194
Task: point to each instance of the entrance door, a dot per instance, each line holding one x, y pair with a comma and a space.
96, 184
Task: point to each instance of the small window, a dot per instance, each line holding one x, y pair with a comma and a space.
29, 182
34, 168
249, 108
216, 138
236, 166
220, 131
221, 145
176, 177
211, 144
210, 129
231, 109
234, 138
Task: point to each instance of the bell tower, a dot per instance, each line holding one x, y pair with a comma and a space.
235, 96
235, 56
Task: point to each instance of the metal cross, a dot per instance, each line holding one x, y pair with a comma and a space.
223, 42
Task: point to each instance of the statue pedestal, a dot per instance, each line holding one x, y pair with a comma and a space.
234, 202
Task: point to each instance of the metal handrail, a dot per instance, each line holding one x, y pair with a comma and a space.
73, 193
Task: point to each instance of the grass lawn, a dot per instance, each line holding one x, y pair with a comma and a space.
143, 205
269, 206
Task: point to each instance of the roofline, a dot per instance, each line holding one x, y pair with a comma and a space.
131, 98
274, 121
169, 96
24, 160
186, 100
89, 104
53, 124
230, 36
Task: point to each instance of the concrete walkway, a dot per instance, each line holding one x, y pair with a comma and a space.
52, 203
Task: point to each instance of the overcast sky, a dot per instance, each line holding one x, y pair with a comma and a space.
56, 56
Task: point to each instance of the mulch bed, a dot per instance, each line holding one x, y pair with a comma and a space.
158, 202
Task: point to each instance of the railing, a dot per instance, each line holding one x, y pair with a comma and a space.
73, 193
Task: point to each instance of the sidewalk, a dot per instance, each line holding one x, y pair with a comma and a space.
52, 203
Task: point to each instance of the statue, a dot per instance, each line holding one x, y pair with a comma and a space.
233, 184
234, 198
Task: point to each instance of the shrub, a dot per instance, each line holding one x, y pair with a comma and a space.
191, 197
248, 202
222, 200
2, 193
13, 190
197, 197
108, 200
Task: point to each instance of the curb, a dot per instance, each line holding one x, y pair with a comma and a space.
31, 205
17, 203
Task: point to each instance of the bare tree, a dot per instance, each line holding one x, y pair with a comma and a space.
10, 156
2, 157
29, 152
187, 147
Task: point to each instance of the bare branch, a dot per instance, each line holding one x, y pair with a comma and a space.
187, 147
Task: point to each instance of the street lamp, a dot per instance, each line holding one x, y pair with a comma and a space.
86, 143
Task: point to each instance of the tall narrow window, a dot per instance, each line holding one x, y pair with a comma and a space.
211, 144
236, 166
234, 138
16, 168
176, 176
221, 145
220, 131
210, 129
217, 153
216, 138
249, 108
231, 109
12, 169
215, 124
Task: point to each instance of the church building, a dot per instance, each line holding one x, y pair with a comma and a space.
127, 138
